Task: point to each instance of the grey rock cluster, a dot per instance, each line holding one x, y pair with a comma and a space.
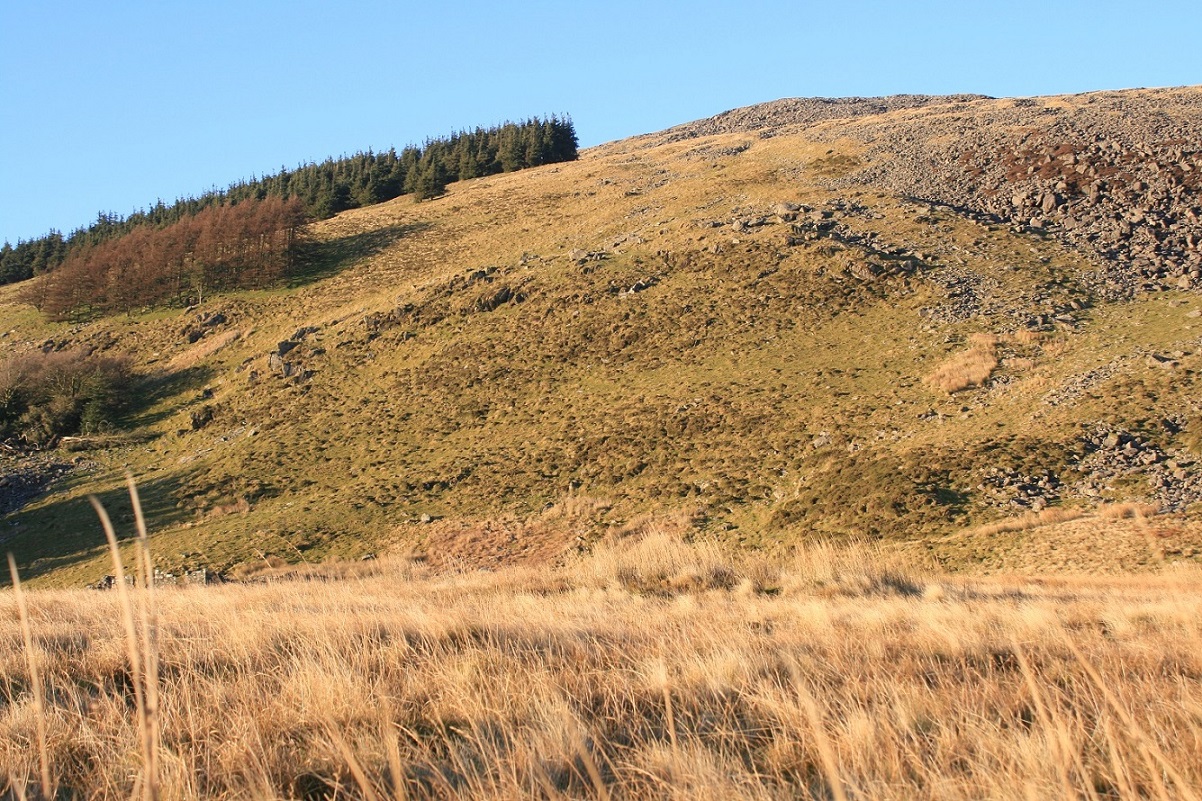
196, 577
24, 478
966, 294
1077, 385
288, 358
1172, 481
880, 259
583, 257
202, 417
19, 486
202, 324
1017, 490
1116, 176
1116, 461
476, 291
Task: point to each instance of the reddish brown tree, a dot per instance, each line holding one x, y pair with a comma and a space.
250, 244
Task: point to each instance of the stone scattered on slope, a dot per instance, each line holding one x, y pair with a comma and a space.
1117, 176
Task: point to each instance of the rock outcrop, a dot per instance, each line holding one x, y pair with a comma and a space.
1115, 174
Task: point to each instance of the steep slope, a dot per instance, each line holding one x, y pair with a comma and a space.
786, 323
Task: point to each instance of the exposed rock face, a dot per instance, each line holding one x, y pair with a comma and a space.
1117, 176
202, 324
1013, 489
202, 417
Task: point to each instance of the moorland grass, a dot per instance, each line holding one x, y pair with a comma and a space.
650, 668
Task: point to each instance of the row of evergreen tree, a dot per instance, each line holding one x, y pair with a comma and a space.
327, 188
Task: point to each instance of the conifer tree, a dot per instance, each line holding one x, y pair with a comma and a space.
431, 178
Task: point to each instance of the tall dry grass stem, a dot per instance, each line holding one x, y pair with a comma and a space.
1126, 789
392, 753
661, 677
590, 764
150, 625
1045, 719
826, 752
35, 680
1067, 755
1145, 527
138, 642
1146, 743
352, 763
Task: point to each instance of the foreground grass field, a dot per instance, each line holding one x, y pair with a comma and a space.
647, 669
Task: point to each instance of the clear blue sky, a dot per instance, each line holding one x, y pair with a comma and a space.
111, 105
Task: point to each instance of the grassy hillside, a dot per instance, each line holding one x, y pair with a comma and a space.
737, 328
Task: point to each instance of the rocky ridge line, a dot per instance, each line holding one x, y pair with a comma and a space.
765, 118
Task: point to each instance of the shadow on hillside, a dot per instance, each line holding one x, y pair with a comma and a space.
67, 531
318, 260
954, 501
157, 387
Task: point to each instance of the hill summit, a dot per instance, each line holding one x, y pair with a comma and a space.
938, 322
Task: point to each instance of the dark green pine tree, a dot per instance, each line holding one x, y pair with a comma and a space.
509, 148
564, 140
469, 167
13, 267
334, 197
410, 169
431, 178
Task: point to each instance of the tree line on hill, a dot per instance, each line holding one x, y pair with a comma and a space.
244, 236
247, 245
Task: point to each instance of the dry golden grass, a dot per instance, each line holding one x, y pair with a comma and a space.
969, 368
1123, 511
1030, 520
1114, 539
1028, 337
974, 366
648, 669
202, 350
